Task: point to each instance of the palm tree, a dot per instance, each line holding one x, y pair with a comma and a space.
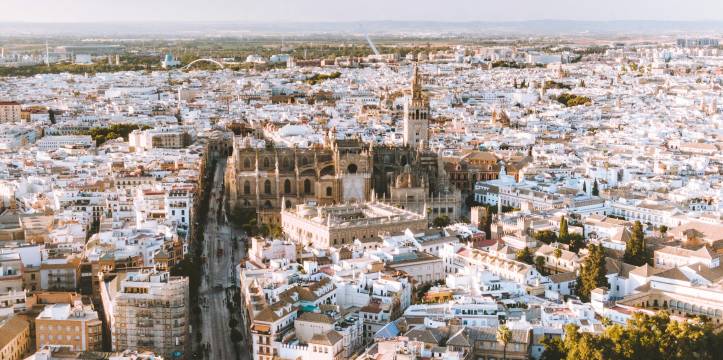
540, 264
504, 335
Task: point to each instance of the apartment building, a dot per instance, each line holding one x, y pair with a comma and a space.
423, 267
14, 338
178, 203
55, 142
166, 138
149, 312
9, 111
646, 211
76, 326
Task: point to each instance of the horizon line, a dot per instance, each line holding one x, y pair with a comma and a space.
355, 21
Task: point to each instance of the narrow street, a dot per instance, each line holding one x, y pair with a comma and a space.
218, 276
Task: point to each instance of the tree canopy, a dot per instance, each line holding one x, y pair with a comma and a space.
102, 134
592, 272
441, 221
635, 250
545, 236
563, 227
643, 337
595, 190
570, 100
525, 255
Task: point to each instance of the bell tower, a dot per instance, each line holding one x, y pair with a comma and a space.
416, 114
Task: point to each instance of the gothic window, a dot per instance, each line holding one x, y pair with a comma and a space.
307, 186
267, 187
266, 162
247, 163
286, 163
287, 186
247, 188
328, 191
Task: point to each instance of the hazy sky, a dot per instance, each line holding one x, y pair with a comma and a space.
354, 10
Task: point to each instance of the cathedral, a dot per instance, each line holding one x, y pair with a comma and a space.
269, 178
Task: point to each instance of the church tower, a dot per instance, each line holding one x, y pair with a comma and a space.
416, 115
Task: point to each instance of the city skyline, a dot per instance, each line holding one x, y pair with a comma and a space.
328, 180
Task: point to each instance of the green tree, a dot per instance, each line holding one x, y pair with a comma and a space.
525, 255
643, 337
275, 231
540, 265
635, 251
504, 335
575, 241
554, 349
663, 230
264, 230
595, 190
563, 228
441, 221
592, 272
545, 236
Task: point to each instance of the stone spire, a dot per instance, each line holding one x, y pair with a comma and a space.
416, 84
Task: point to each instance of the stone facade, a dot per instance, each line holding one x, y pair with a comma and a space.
338, 225
267, 178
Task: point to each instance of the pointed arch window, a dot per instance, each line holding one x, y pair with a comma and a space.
307, 186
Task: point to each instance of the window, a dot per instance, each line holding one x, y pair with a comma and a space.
247, 188
287, 186
307, 186
328, 191
267, 187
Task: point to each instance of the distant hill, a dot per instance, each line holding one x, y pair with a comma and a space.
420, 28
